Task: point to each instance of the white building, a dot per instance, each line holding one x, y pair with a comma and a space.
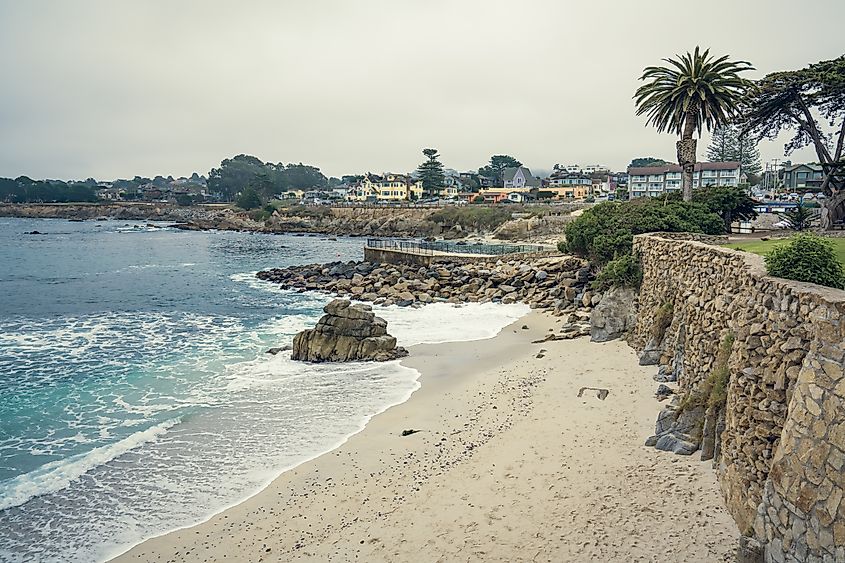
653, 181
578, 169
594, 169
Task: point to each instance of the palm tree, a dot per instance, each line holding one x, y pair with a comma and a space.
694, 92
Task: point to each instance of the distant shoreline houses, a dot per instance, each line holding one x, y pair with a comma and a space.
564, 183
168, 189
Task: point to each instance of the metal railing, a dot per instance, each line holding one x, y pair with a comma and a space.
430, 248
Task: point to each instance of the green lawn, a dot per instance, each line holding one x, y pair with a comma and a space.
763, 246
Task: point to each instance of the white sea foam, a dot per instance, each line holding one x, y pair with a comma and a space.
248, 415
445, 322
57, 475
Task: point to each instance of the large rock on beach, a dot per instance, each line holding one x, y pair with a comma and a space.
614, 315
347, 333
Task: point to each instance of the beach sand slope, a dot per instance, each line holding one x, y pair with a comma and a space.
509, 464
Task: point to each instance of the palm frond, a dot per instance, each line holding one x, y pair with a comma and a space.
709, 89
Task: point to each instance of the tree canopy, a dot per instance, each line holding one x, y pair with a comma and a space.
646, 161
787, 101
27, 190
497, 166
729, 145
238, 172
695, 91
248, 199
731, 203
431, 173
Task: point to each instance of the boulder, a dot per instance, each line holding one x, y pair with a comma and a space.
346, 333
614, 315
678, 431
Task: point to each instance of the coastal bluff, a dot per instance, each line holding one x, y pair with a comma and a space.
347, 333
761, 391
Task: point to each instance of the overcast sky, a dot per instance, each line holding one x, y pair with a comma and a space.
112, 88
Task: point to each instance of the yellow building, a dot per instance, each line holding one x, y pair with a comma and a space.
360, 193
387, 187
573, 192
449, 191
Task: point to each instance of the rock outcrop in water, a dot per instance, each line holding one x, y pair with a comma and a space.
347, 333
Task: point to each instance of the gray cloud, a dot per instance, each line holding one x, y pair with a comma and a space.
115, 88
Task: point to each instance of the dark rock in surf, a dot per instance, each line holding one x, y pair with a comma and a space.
347, 333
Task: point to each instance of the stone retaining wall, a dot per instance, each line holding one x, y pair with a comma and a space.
394, 256
780, 436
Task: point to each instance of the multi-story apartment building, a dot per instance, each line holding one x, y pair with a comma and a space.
653, 181
564, 179
802, 176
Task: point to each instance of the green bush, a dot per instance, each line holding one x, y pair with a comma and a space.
719, 379
731, 203
248, 199
713, 392
800, 218
807, 258
606, 231
311, 211
478, 218
625, 271
260, 215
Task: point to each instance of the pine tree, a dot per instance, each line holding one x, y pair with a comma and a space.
431, 173
728, 146
723, 145
748, 155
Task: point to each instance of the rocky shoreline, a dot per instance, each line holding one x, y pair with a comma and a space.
559, 285
339, 221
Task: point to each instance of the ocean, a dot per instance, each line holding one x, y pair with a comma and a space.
136, 394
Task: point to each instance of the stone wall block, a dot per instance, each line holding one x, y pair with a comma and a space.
779, 449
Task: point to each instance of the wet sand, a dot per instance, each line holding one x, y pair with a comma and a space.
508, 464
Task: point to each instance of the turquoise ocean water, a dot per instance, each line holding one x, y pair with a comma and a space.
135, 392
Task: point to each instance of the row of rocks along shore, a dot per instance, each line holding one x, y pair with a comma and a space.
559, 285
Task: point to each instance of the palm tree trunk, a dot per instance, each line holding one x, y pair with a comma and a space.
686, 153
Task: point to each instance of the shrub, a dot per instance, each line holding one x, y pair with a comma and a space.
731, 203
478, 218
260, 215
624, 271
606, 231
248, 199
313, 212
807, 258
800, 217
713, 392
717, 382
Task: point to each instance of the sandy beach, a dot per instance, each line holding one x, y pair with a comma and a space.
508, 464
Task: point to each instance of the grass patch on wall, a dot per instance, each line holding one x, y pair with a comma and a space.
763, 247
662, 320
713, 393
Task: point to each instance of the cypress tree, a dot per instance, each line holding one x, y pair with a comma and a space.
431, 173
